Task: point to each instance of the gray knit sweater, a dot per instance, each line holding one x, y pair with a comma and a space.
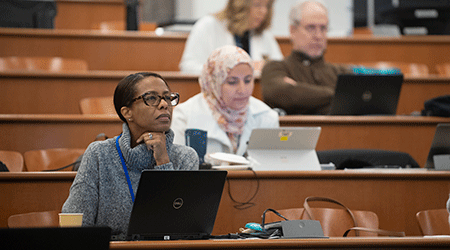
100, 190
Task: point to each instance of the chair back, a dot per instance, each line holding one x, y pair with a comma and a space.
408, 69
434, 222
34, 219
443, 69
334, 221
51, 159
13, 160
51, 64
97, 105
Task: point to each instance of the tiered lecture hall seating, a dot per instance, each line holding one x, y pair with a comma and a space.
135, 51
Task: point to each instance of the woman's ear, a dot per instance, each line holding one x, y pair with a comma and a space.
127, 113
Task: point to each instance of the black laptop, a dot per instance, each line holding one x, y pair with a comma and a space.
439, 154
172, 205
372, 94
67, 238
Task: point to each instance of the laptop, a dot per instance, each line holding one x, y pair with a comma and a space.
67, 238
439, 154
366, 94
288, 149
173, 205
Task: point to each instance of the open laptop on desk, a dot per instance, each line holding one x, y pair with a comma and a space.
366, 95
439, 154
289, 148
173, 205
66, 238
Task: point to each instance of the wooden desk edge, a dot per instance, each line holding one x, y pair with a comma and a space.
284, 243
284, 120
246, 174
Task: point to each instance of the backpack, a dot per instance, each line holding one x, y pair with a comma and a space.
438, 106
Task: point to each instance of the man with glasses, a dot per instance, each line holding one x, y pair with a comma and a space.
303, 83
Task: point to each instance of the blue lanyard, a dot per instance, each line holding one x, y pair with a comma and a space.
124, 166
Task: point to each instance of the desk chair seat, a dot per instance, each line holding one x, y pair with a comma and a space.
434, 222
13, 160
51, 159
443, 69
97, 105
121, 25
34, 219
362, 158
51, 64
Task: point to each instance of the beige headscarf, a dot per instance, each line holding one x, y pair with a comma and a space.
214, 73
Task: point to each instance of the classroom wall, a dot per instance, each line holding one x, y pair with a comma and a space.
340, 13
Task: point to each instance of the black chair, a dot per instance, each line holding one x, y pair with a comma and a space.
366, 158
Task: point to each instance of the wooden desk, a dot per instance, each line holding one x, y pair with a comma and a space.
27, 132
394, 196
408, 134
116, 50
128, 50
60, 93
317, 244
83, 14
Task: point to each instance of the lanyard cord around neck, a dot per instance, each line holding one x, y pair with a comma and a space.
124, 166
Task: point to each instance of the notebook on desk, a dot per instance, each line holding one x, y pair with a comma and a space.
67, 238
366, 95
173, 205
290, 149
439, 154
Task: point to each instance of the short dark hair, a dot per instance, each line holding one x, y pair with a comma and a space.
126, 90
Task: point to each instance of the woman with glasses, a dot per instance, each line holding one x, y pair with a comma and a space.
225, 107
243, 23
108, 177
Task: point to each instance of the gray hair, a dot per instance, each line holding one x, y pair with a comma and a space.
296, 10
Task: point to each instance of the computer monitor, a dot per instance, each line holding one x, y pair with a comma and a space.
422, 17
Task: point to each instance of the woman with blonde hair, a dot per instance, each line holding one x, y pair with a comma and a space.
225, 107
243, 23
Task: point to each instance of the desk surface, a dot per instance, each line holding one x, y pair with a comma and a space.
395, 196
333, 243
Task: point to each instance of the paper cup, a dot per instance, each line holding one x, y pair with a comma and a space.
70, 219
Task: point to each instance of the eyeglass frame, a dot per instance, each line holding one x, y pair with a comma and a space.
174, 96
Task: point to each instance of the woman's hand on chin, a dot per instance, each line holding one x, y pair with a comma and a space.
156, 141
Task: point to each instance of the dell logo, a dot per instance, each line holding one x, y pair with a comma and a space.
367, 96
177, 203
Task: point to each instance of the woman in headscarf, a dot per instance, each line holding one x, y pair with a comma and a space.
225, 107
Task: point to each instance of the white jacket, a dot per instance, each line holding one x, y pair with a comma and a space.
195, 113
209, 34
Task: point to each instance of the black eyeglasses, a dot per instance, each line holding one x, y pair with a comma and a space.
152, 99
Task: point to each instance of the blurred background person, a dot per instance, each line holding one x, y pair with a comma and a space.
303, 83
225, 107
243, 23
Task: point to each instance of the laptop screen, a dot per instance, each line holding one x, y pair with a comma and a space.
440, 148
366, 95
173, 204
288, 148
